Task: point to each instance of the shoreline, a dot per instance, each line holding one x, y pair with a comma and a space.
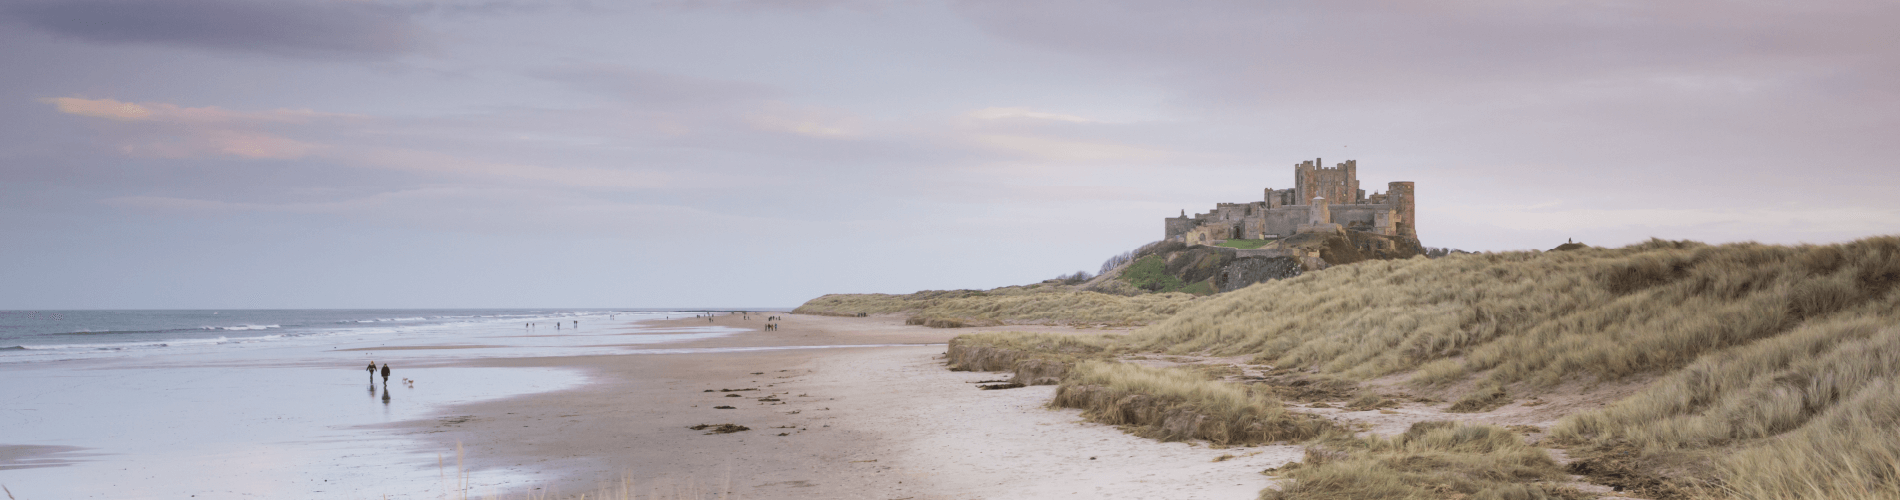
877, 421
272, 419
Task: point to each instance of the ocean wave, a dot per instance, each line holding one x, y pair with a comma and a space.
124, 332
86, 343
380, 320
120, 346
117, 346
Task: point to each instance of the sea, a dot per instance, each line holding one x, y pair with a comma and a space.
276, 403
27, 336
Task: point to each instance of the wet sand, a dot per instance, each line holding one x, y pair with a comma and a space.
857, 422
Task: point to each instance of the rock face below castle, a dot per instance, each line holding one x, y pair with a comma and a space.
1322, 200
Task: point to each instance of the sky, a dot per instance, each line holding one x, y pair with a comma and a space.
750, 153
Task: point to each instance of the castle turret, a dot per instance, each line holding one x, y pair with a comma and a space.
1400, 196
1177, 227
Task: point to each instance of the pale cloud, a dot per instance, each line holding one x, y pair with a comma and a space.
431, 161
243, 144
167, 130
1003, 113
480, 209
1067, 150
1764, 220
806, 121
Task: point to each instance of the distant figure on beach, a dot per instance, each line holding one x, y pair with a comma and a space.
577, 323
385, 379
372, 373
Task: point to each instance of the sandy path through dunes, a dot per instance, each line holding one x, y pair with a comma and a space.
968, 443
861, 422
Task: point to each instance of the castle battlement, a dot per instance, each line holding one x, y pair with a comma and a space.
1322, 199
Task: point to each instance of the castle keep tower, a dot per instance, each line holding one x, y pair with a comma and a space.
1311, 179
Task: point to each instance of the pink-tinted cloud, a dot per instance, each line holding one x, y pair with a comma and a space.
164, 130
172, 113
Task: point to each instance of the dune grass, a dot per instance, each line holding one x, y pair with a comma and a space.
1776, 365
1811, 414
1034, 358
1431, 460
880, 303
1770, 371
1173, 405
1064, 307
1536, 317
1054, 304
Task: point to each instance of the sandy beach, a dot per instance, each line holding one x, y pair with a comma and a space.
883, 422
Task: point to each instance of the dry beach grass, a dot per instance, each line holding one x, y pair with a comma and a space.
1431, 460
1173, 404
1774, 366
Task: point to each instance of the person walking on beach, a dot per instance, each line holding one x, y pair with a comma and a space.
385, 375
372, 373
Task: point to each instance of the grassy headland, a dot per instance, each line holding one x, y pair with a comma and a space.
1032, 304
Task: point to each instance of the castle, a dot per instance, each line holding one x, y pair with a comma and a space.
1322, 200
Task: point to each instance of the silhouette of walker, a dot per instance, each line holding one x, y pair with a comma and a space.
372, 373
385, 374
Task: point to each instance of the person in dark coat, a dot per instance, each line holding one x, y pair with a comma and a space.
372, 373
385, 374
